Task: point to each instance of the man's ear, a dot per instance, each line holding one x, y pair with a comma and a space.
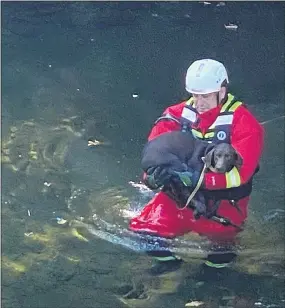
208, 159
222, 93
238, 161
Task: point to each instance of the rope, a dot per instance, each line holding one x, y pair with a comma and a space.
196, 188
222, 220
274, 119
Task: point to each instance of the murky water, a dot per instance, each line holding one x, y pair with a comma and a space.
69, 72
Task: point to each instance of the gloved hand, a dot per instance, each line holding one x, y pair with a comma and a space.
189, 178
157, 177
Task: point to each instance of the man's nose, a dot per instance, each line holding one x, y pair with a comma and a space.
198, 98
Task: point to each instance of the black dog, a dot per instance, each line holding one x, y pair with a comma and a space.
180, 150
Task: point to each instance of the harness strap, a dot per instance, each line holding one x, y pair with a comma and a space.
214, 209
220, 130
167, 117
225, 221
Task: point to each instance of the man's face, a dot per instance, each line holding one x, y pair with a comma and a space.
205, 102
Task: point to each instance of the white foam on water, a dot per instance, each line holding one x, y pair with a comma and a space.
274, 214
141, 188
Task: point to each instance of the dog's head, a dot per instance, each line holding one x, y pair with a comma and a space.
222, 158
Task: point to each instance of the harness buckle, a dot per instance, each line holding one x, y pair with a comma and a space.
234, 203
184, 127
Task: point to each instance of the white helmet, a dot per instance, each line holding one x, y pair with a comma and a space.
205, 76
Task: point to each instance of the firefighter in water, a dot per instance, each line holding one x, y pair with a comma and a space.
215, 115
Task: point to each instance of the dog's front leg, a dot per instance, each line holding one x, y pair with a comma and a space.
199, 205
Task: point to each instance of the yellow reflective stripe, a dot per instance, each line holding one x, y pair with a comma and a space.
226, 104
209, 135
190, 101
235, 105
197, 133
216, 265
233, 178
200, 135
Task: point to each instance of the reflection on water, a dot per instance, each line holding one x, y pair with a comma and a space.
69, 71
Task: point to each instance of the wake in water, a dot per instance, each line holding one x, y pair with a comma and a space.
109, 228
111, 225
117, 233
137, 242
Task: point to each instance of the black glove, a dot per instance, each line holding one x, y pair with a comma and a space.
157, 177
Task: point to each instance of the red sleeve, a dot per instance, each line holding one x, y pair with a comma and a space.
169, 121
248, 139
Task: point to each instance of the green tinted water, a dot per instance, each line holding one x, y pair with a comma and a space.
69, 71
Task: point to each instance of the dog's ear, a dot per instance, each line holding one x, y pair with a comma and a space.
238, 161
208, 159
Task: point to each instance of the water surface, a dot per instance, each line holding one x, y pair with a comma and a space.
71, 69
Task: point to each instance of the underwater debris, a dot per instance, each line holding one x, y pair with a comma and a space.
6, 151
33, 153
28, 123
13, 129
94, 142
61, 221
66, 121
231, 27
40, 237
221, 4
75, 233
30, 145
28, 234
205, 3
5, 159
13, 265
73, 259
194, 304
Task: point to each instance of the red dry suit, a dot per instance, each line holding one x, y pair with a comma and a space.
229, 122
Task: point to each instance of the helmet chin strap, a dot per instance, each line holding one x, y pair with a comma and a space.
223, 100
218, 98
